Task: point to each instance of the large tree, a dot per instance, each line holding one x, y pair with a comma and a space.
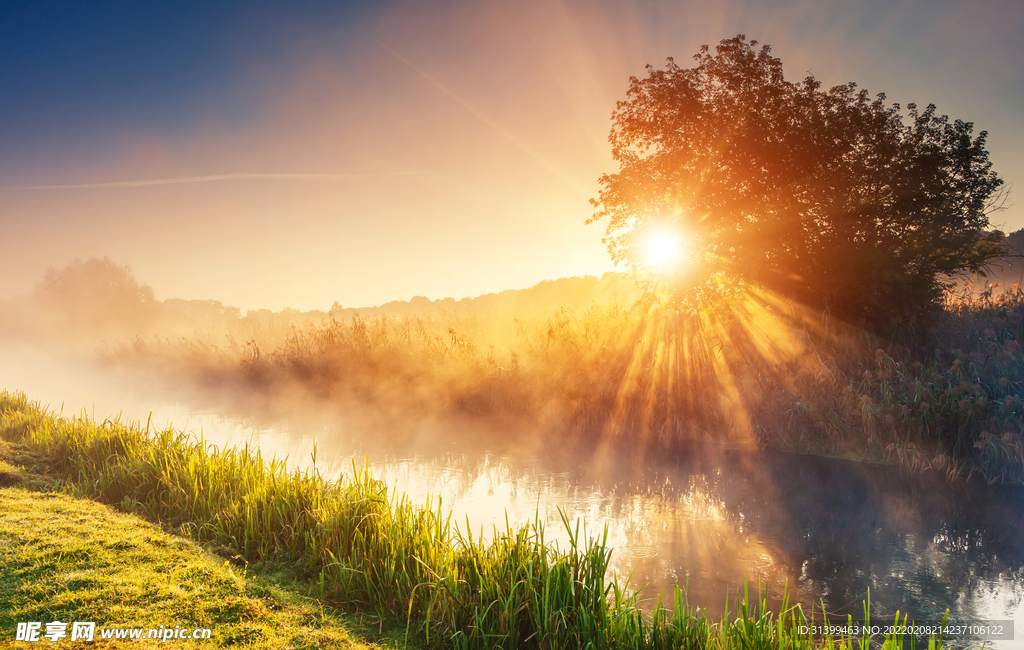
96, 298
833, 198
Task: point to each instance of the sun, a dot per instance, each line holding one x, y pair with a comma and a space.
663, 250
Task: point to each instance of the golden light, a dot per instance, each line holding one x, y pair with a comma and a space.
663, 250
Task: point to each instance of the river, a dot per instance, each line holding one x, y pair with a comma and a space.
823, 530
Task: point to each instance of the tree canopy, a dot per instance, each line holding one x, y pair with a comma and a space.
96, 297
832, 198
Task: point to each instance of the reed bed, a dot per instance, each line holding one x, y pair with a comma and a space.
358, 544
759, 372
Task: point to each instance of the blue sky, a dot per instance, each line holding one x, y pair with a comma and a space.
365, 152
76, 72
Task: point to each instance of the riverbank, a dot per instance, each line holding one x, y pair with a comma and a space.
72, 560
758, 372
68, 559
355, 546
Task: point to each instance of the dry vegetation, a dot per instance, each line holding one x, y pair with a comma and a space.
759, 372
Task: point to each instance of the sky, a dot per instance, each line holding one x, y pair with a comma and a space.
301, 153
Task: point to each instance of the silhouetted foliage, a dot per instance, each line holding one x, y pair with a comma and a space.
200, 311
830, 197
96, 298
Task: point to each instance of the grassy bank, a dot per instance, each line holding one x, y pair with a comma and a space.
357, 545
69, 559
758, 371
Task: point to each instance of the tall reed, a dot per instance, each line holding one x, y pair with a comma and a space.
760, 372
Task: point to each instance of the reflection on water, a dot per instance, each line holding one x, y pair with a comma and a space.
830, 530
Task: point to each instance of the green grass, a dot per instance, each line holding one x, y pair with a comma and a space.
70, 559
354, 544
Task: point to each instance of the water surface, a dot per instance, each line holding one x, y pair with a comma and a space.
828, 531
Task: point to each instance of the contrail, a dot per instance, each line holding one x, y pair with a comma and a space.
329, 178
530, 151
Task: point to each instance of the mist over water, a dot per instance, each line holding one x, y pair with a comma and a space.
447, 149
826, 530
